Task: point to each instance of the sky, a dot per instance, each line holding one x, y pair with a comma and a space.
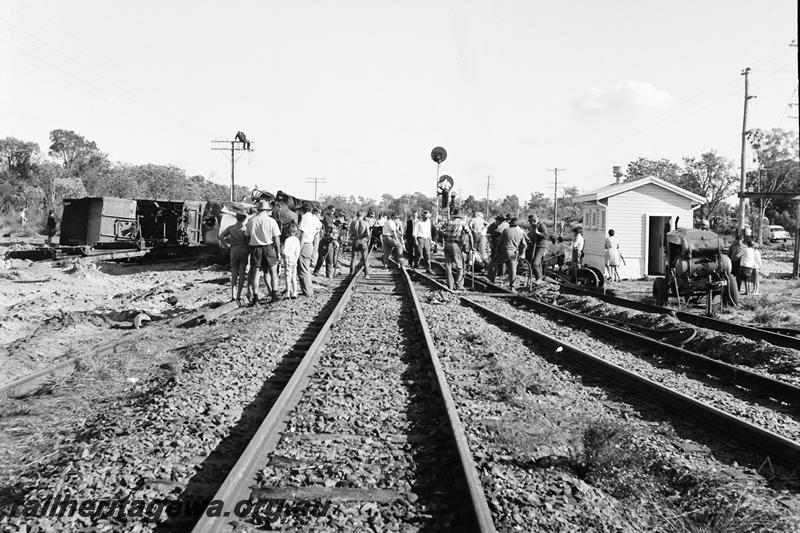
358, 92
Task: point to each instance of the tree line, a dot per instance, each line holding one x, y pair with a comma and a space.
776, 158
75, 167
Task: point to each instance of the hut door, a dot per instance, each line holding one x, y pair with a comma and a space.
656, 228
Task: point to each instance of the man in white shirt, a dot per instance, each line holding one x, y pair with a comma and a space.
265, 242
422, 232
309, 227
478, 228
391, 240
577, 251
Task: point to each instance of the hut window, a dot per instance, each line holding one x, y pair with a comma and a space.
602, 219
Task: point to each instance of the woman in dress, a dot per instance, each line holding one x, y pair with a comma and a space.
613, 257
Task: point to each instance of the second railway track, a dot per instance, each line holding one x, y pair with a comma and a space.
773, 429
364, 436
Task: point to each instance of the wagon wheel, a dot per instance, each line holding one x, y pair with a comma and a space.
598, 274
588, 278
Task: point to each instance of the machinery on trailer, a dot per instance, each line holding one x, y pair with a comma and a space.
696, 268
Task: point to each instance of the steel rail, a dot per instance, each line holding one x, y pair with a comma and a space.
757, 437
753, 381
243, 473
480, 508
237, 485
753, 333
26, 382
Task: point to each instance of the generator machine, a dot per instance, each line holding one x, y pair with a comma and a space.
696, 267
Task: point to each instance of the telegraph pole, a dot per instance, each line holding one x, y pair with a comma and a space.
555, 196
236, 145
488, 182
747, 97
315, 181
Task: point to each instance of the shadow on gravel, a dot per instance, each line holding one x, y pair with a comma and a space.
438, 479
213, 470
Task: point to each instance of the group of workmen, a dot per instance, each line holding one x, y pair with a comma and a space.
498, 246
276, 238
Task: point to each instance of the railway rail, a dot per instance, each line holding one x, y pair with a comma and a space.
756, 436
30, 382
777, 336
362, 431
730, 374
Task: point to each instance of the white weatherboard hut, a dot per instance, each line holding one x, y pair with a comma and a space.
640, 212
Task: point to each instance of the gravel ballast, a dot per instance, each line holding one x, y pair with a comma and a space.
533, 427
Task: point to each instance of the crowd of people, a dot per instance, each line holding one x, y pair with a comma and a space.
275, 240
282, 244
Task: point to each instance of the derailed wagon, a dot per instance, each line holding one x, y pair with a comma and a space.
696, 268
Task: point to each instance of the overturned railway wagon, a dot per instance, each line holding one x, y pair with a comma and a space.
104, 222
88, 221
164, 222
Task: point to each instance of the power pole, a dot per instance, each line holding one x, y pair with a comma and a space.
742, 179
555, 197
237, 145
488, 182
315, 181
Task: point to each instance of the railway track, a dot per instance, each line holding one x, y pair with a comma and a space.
661, 383
778, 336
665, 348
364, 435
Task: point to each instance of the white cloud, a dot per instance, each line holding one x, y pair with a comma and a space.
628, 94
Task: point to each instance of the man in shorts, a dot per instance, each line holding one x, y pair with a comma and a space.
265, 241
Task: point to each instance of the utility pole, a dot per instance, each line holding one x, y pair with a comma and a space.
793, 104
315, 181
555, 197
747, 97
488, 182
239, 144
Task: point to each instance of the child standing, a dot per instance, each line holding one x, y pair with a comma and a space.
291, 254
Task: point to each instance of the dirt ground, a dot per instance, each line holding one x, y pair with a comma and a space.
776, 305
52, 310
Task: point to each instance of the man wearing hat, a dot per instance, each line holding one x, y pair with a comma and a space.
537, 236
511, 248
422, 230
310, 226
359, 236
457, 242
265, 240
495, 232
